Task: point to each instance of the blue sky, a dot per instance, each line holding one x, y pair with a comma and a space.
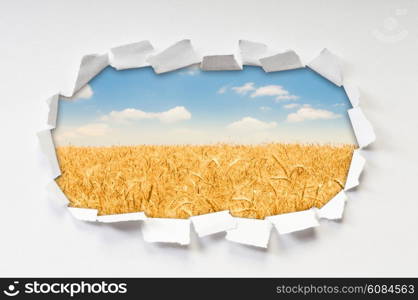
190, 106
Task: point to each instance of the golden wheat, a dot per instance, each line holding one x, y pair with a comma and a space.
183, 181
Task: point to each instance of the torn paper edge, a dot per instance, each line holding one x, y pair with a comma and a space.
252, 232
354, 172
166, 230
55, 192
84, 214
48, 150
288, 60
251, 52
295, 221
353, 94
134, 216
52, 103
91, 65
221, 63
91, 215
362, 128
329, 66
130, 56
333, 209
177, 56
258, 54
212, 223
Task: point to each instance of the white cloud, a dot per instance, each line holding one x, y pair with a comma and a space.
265, 108
276, 91
291, 105
287, 97
244, 89
178, 113
309, 113
339, 104
222, 90
269, 90
86, 92
273, 90
248, 123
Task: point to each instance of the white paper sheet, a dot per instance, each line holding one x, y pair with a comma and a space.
52, 103
130, 56
84, 214
296, 221
329, 66
90, 66
48, 149
178, 56
362, 128
334, 209
55, 192
251, 232
246, 231
166, 230
353, 94
251, 52
282, 61
136, 216
213, 223
356, 167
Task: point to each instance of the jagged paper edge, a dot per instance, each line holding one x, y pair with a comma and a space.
164, 230
131, 56
252, 232
212, 223
328, 65
229, 62
246, 231
177, 56
295, 221
90, 66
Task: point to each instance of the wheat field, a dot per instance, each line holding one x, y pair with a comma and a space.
187, 180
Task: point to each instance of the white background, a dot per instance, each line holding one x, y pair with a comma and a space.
42, 43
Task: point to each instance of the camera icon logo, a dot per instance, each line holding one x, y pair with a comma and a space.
12, 290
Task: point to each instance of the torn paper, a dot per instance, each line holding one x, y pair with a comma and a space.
282, 61
83, 93
334, 209
213, 223
356, 167
130, 56
55, 192
48, 149
136, 216
353, 94
253, 232
90, 66
251, 52
329, 66
296, 221
220, 63
178, 56
166, 230
84, 214
363, 130
52, 103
